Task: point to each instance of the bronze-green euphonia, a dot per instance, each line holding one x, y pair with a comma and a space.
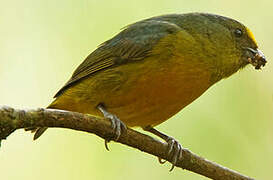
155, 67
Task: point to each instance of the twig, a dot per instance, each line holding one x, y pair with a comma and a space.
13, 119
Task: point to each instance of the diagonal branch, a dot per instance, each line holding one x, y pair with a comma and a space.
13, 119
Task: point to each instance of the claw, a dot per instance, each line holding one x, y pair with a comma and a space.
175, 147
171, 168
106, 144
170, 142
161, 161
117, 125
174, 150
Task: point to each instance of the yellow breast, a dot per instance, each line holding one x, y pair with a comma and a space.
140, 94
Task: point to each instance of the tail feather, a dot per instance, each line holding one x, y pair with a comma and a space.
31, 129
40, 130
37, 131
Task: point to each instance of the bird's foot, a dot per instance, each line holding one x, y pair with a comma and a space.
117, 125
174, 151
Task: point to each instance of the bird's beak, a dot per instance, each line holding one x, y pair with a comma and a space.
257, 58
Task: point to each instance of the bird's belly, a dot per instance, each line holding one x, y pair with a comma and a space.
140, 95
152, 97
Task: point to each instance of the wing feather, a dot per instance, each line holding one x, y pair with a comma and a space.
132, 44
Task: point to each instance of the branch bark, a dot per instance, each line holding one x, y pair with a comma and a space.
13, 119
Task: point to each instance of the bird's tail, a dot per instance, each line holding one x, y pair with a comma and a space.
40, 130
37, 131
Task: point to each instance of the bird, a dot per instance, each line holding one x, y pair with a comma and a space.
154, 68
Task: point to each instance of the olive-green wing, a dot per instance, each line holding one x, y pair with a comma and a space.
134, 43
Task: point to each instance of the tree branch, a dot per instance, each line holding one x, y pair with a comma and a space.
13, 119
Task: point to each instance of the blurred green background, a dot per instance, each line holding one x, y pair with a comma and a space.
42, 42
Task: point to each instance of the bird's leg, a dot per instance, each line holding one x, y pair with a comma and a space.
117, 125
174, 147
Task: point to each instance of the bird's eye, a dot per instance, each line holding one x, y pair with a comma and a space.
238, 32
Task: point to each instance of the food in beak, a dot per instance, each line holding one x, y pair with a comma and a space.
258, 60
